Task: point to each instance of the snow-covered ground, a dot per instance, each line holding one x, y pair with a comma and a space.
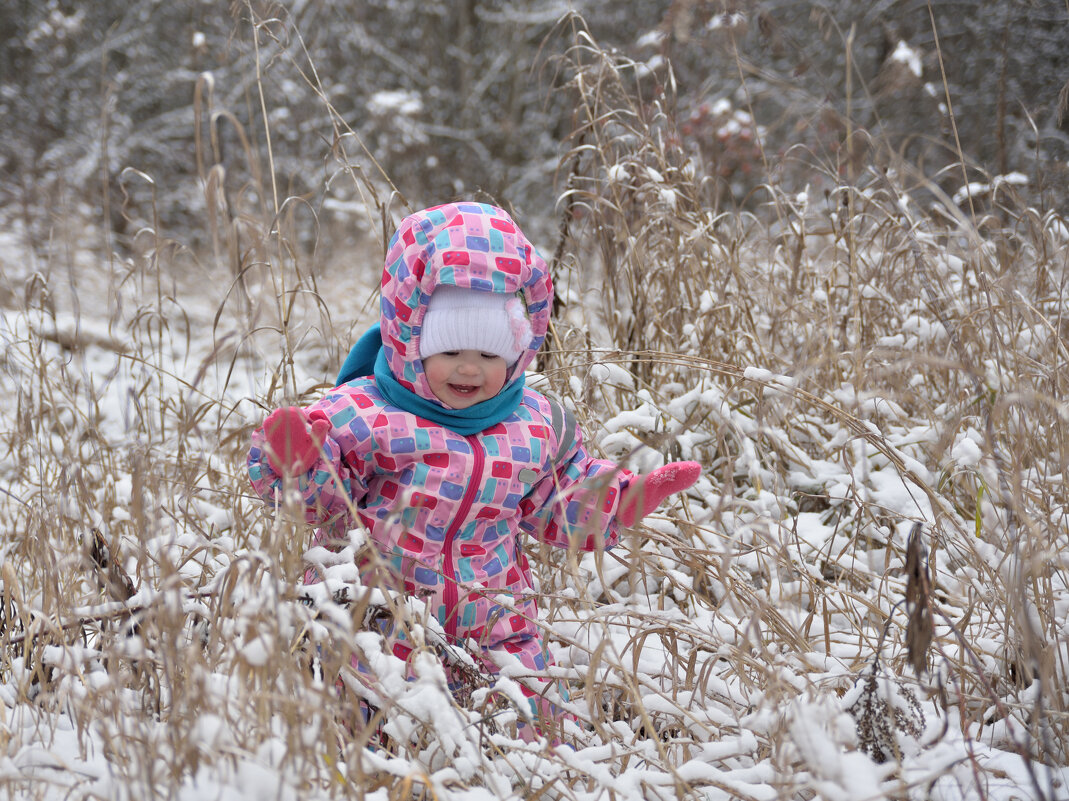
749, 642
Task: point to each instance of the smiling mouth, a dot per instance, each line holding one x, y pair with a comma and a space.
464, 389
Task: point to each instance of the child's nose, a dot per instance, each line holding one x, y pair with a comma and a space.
468, 367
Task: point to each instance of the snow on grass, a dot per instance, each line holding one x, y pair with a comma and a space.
750, 640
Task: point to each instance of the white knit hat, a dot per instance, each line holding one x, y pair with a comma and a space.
470, 319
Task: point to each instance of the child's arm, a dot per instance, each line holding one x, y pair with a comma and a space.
300, 443
586, 499
576, 503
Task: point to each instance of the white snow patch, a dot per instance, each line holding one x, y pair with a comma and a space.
398, 101
910, 56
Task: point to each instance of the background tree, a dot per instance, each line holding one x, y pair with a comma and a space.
459, 98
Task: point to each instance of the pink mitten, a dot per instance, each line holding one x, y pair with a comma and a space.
294, 441
645, 493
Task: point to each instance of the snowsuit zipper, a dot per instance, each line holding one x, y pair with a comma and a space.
451, 596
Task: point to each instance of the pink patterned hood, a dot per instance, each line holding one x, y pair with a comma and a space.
464, 244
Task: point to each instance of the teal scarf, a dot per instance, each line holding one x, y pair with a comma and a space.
368, 357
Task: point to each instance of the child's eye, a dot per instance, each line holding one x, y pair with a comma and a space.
450, 353
489, 355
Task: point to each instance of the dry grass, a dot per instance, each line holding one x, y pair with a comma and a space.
911, 368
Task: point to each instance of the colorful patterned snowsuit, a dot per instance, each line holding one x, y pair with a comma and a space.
448, 511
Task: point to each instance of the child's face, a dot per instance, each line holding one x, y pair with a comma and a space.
462, 378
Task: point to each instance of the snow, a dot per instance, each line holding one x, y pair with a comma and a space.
981, 188
907, 55
650, 39
611, 373
966, 451
754, 373
738, 623
395, 102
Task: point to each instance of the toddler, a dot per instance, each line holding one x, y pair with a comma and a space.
447, 458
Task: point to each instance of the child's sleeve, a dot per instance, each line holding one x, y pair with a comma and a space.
337, 479
575, 504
